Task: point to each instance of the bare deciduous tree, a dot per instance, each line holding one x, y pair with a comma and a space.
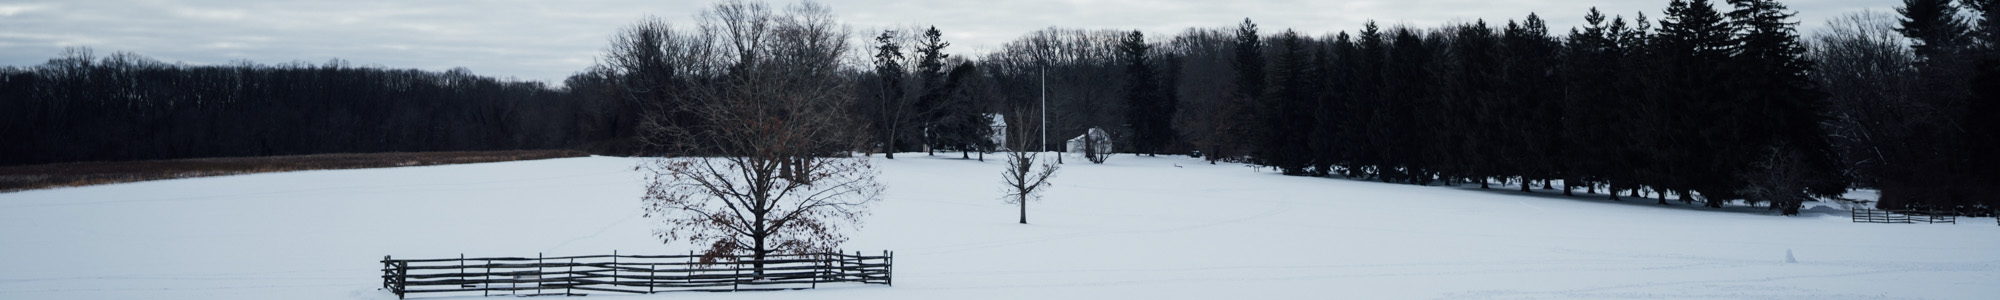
777, 176
1025, 176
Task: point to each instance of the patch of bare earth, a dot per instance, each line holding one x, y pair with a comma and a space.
29, 177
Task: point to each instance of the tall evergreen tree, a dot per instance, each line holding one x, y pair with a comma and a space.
1777, 112
1479, 119
889, 114
931, 76
1694, 43
1934, 25
1938, 176
1148, 112
1284, 119
1364, 89
1533, 95
1249, 65
1984, 132
1330, 136
1404, 137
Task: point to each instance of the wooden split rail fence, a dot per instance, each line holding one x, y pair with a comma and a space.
639, 274
1901, 217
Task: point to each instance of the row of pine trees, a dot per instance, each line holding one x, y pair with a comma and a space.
1710, 103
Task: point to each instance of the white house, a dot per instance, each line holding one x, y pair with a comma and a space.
999, 131
1101, 140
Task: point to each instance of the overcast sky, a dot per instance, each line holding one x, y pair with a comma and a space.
548, 40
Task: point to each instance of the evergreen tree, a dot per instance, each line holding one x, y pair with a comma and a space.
1693, 45
1984, 132
1405, 139
1934, 26
1330, 136
1479, 120
1603, 109
931, 75
1249, 64
1777, 110
889, 114
1983, 136
963, 123
1147, 109
1533, 95
1364, 94
1985, 23
1938, 174
1284, 119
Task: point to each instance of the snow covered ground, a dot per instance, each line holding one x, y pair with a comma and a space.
1134, 228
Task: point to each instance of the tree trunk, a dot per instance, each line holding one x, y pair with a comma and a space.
1547, 184
758, 254
1792, 206
1024, 209
1526, 185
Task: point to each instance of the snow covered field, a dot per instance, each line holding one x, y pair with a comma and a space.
1134, 228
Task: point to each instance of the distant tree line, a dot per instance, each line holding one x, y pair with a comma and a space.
79, 107
1708, 103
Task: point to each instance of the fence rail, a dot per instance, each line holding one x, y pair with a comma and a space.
640, 274
1902, 217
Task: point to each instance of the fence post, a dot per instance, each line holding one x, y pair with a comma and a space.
737, 269
402, 277
538, 273
614, 268
570, 276
485, 284
889, 268
652, 275
390, 279
461, 269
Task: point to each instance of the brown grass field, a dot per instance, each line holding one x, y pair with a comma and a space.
29, 177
